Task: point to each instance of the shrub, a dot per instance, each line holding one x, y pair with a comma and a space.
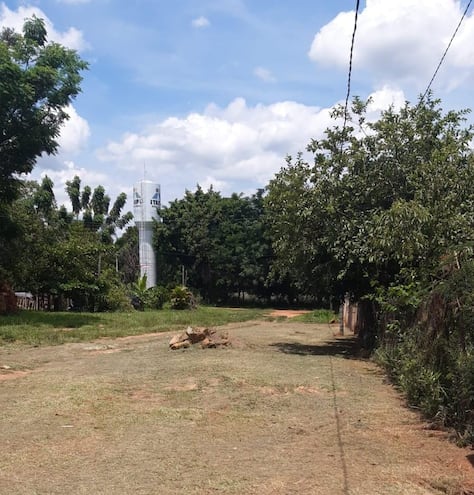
117, 299
156, 297
113, 295
182, 298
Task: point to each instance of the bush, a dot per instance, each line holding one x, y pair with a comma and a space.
117, 299
433, 371
112, 294
156, 297
422, 386
182, 298
459, 404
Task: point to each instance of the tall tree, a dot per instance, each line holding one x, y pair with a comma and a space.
382, 203
73, 189
127, 255
37, 81
218, 243
95, 209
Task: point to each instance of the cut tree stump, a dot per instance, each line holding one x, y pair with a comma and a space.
207, 337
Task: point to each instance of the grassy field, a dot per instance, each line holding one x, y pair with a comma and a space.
42, 328
317, 316
284, 410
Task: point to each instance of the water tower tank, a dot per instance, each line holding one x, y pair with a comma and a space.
146, 205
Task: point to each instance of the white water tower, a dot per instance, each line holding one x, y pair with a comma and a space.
146, 205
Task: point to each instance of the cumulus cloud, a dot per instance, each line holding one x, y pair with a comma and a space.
72, 139
400, 41
216, 184
74, 133
72, 38
384, 98
264, 74
236, 148
200, 22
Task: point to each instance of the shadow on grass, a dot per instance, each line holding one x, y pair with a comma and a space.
48, 319
340, 347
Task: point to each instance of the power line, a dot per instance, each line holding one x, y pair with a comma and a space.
350, 64
445, 52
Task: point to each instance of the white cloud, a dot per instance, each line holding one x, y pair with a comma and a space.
74, 133
216, 184
264, 74
72, 38
385, 97
236, 148
72, 140
201, 22
400, 42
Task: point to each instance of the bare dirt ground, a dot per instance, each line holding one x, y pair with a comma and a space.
288, 313
284, 411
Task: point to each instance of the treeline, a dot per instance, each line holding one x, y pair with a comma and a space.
221, 248
50, 251
385, 214
87, 258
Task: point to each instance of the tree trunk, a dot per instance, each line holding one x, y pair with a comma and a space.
366, 326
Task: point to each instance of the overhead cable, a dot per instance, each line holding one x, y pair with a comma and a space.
445, 52
350, 64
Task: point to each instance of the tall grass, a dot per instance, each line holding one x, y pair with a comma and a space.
42, 328
317, 316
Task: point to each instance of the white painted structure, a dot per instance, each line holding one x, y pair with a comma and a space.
146, 205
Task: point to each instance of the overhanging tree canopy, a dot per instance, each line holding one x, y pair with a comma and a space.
382, 203
38, 80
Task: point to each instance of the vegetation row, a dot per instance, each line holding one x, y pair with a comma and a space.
378, 210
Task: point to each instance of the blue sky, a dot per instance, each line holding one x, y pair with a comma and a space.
220, 91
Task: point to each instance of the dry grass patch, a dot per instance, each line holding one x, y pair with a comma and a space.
283, 413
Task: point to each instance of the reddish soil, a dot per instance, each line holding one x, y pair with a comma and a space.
288, 313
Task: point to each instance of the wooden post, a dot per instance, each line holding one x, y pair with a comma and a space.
341, 317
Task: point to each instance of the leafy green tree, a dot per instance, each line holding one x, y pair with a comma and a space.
127, 255
41, 226
217, 243
79, 266
95, 207
302, 226
44, 200
381, 203
58, 255
37, 81
73, 189
243, 250
85, 198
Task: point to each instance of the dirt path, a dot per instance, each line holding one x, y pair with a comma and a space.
288, 313
284, 411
